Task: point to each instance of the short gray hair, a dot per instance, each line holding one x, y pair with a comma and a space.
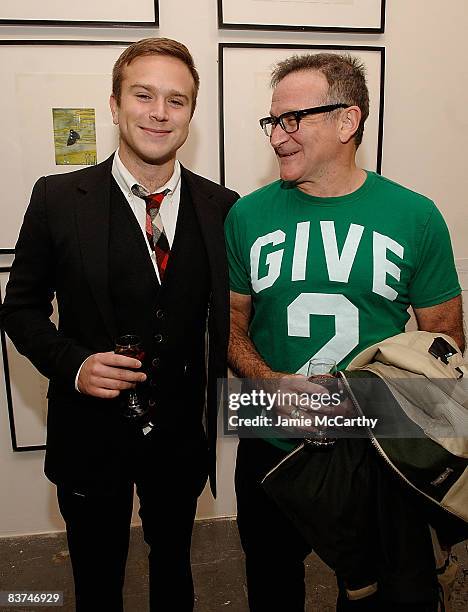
346, 78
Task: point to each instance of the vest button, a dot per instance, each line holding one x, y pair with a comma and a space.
156, 361
160, 313
158, 338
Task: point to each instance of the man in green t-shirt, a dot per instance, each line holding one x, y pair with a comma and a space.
323, 263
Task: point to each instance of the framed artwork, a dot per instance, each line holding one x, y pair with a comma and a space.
304, 15
55, 115
6, 259
86, 13
247, 161
24, 390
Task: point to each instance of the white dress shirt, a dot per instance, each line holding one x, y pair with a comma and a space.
168, 210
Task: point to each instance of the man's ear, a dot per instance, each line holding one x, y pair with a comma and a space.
114, 109
349, 123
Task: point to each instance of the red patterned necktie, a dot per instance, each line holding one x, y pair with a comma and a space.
155, 231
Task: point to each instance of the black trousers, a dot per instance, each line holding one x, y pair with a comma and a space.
275, 550
169, 478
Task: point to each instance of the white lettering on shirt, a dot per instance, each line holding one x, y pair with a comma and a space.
382, 266
273, 260
338, 266
301, 247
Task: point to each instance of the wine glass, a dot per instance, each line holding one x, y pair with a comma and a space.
130, 345
321, 366
319, 370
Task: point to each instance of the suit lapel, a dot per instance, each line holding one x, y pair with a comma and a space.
210, 219
93, 221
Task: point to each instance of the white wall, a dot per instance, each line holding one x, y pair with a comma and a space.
424, 148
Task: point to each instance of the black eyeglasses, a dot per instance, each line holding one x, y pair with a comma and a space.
290, 121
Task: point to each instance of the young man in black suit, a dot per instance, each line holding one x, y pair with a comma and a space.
117, 266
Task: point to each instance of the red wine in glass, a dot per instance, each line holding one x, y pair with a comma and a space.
130, 345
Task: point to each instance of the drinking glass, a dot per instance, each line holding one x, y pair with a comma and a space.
130, 345
322, 367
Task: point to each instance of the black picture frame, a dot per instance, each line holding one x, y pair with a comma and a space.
7, 238
86, 23
253, 46
15, 443
15, 435
378, 28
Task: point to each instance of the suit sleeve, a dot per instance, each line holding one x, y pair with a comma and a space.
25, 313
229, 201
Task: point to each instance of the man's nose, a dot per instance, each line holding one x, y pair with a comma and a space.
278, 136
158, 110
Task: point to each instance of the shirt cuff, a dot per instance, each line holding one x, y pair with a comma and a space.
78, 373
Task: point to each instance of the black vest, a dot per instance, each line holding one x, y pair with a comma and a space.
170, 318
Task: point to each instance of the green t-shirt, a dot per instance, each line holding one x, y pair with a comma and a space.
331, 276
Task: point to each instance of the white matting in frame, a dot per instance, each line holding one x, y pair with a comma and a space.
322, 15
35, 79
246, 158
23, 393
84, 12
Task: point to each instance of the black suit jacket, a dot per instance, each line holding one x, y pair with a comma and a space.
63, 250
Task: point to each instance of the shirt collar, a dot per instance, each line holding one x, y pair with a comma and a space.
125, 180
